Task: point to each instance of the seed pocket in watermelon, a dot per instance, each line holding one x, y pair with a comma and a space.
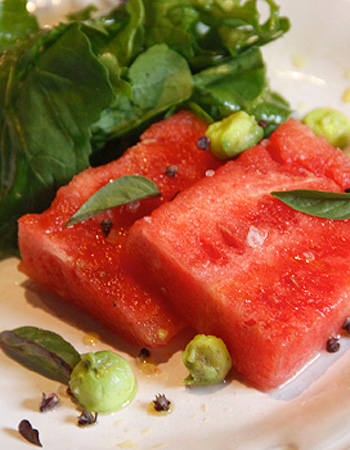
82, 264
239, 264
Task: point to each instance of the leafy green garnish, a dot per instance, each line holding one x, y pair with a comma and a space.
159, 78
328, 205
207, 32
15, 22
40, 350
45, 120
118, 192
239, 84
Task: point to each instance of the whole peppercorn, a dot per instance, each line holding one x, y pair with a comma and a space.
346, 325
333, 345
171, 171
106, 226
203, 143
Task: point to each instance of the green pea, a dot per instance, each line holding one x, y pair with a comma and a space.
332, 124
234, 134
207, 359
102, 382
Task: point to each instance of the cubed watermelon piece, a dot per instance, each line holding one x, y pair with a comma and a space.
272, 282
83, 266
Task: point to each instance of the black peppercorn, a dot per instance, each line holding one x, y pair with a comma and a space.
203, 143
144, 353
262, 123
171, 171
106, 226
346, 325
333, 345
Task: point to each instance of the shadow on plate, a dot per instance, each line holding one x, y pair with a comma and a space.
39, 297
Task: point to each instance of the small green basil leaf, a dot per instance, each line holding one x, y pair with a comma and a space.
40, 350
328, 205
118, 192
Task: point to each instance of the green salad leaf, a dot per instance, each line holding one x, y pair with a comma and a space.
240, 84
159, 78
81, 92
118, 192
45, 123
42, 351
209, 31
15, 22
328, 205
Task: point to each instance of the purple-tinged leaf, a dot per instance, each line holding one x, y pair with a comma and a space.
87, 418
29, 433
42, 351
48, 403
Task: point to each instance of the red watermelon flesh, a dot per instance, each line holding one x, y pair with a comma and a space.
83, 266
272, 282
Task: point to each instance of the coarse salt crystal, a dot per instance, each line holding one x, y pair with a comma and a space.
255, 237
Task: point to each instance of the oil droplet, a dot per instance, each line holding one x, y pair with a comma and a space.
62, 391
118, 422
302, 105
148, 368
146, 364
346, 96
91, 339
156, 447
204, 408
128, 444
299, 61
153, 412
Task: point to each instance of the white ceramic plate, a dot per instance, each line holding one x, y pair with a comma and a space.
311, 67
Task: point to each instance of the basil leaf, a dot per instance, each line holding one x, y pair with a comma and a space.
40, 350
119, 192
328, 205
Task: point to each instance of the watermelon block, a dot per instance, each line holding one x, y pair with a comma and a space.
272, 282
83, 266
